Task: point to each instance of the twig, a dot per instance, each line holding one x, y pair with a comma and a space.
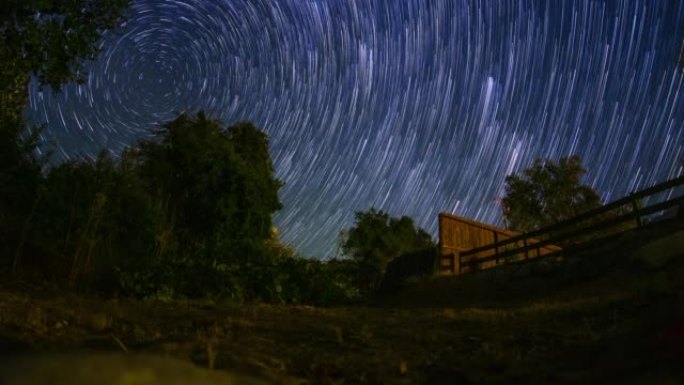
120, 343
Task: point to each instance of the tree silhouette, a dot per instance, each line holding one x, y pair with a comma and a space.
48, 39
546, 193
218, 183
376, 239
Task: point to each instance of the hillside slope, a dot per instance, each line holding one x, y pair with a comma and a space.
585, 322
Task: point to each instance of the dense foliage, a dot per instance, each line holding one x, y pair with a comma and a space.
218, 185
47, 39
186, 213
546, 193
216, 192
376, 239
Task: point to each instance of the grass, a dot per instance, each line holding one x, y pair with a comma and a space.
612, 326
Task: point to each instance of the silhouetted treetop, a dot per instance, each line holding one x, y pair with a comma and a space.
219, 183
546, 193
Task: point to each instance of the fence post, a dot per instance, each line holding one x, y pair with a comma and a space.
635, 207
496, 249
456, 263
527, 252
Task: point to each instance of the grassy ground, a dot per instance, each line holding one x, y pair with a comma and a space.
562, 324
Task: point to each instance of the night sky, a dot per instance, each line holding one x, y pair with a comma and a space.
410, 106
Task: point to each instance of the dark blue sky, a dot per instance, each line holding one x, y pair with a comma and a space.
410, 106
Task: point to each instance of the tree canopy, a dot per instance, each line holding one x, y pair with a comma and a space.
377, 238
51, 38
193, 201
546, 193
48, 39
218, 183
186, 213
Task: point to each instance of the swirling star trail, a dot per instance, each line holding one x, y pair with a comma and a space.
410, 106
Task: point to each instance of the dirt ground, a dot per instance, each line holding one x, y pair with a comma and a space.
624, 326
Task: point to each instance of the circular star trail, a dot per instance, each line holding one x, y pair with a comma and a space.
413, 107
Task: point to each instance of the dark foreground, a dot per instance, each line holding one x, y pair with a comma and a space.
556, 326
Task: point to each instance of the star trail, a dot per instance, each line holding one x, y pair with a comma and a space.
412, 106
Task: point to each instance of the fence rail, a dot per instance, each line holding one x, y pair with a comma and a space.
603, 218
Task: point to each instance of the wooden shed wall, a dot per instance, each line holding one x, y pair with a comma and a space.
457, 234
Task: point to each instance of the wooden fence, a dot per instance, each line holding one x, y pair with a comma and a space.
465, 246
458, 235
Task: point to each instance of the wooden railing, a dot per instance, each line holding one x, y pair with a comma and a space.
458, 234
568, 231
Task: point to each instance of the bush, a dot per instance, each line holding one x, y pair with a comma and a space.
186, 215
297, 280
376, 239
415, 264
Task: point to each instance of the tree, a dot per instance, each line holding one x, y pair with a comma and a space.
218, 184
376, 239
258, 196
50, 38
94, 216
546, 193
47, 39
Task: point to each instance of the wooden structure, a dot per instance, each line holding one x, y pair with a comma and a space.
458, 234
466, 245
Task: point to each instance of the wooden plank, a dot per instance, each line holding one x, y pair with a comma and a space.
596, 212
458, 234
594, 227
